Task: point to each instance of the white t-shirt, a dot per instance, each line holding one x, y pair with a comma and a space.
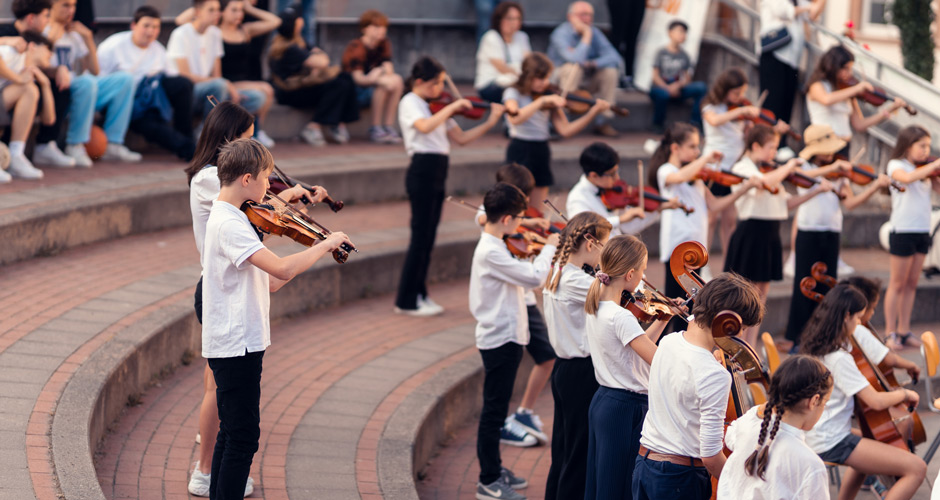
727, 139
14, 60
536, 128
67, 50
794, 471
411, 109
836, 421
564, 313
822, 212
235, 294
497, 288
492, 46
758, 203
910, 210
775, 14
678, 226
616, 364
874, 349
203, 190
118, 52
584, 197
200, 50
837, 115
688, 398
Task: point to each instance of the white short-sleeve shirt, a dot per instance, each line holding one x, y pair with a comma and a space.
727, 138
836, 421
200, 50
616, 364
203, 190
413, 108
837, 115
758, 203
910, 210
118, 52
688, 397
536, 128
822, 212
874, 349
564, 313
492, 46
677, 226
14, 60
794, 471
235, 294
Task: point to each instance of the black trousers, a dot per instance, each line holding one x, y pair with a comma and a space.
239, 400
178, 136
626, 17
810, 247
573, 387
424, 183
62, 100
781, 83
499, 366
333, 102
197, 300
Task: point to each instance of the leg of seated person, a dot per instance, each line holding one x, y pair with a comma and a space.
604, 86
660, 98
62, 99
81, 109
152, 126
569, 77
203, 90
262, 91
394, 86
695, 91
179, 91
23, 100
492, 92
116, 97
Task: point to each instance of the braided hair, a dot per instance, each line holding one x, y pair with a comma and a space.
798, 378
578, 230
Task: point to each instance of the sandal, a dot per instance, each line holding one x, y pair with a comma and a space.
909, 339
893, 341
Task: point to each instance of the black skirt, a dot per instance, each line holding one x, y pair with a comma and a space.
535, 156
755, 250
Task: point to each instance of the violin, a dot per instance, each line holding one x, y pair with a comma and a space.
524, 244
278, 217
727, 178
930, 159
579, 101
798, 179
480, 107
279, 181
875, 97
623, 195
534, 213
766, 117
860, 174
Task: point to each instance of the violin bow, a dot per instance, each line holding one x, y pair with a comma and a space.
761, 99
555, 209
452, 86
639, 168
662, 297
310, 222
461, 203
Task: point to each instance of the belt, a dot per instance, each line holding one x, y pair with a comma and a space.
673, 459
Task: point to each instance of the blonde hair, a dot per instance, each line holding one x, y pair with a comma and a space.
576, 232
621, 255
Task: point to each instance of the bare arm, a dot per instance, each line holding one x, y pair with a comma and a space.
285, 269
426, 125
715, 464
186, 16
658, 79
883, 400
182, 66
643, 344
718, 119
853, 200
824, 186
568, 129
501, 66
462, 137
918, 174
717, 204
691, 170
818, 93
266, 23
47, 113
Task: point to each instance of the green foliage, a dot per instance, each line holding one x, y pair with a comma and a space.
914, 18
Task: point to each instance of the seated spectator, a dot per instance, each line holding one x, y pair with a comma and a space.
195, 51
34, 15
501, 51
163, 105
19, 77
237, 60
309, 14
114, 94
672, 79
368, 59
304, 79
585, 58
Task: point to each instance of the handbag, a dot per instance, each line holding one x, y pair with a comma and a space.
775, 39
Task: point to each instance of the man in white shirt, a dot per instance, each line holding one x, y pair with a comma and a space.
195, 51
75, 46
139, 53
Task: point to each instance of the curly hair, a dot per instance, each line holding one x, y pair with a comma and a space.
581, 227
826, 331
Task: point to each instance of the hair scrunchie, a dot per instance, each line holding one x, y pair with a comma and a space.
604, 277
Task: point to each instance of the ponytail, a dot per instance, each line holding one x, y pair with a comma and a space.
621, 255
677, 133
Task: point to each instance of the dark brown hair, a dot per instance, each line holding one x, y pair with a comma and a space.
728, 292
731, 78
535, 65
226, 122
517, 175
797, 379
500, 12
906, 138
243, 156
677, 133
829, 65
146, 11
23, 8
759, 134
826, 331
870, 288
502, 200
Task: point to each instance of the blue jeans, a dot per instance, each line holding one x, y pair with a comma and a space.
653, 480
92, 93
484, 11
309, 15
660, 96
252, 100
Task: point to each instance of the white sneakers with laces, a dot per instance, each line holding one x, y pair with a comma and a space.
77, 152
199, 483
50, 155
22, 168
119, 152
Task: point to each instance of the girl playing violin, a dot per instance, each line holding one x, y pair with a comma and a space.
621, 353
724, 114
573, 381
427, 141
831, 102
529, 129
798, 393
675, 168
754, 250
910, 228
826, 337
819, 220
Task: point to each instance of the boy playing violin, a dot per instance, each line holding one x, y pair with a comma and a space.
239, 274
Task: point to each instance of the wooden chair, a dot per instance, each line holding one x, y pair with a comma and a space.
931, 353
770, 350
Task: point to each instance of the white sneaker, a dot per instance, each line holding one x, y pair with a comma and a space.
199, 483
789, 267
338, 133
5, 177
427, 302
50, 155
313, 137
119, 152
264, 139
845, 269
423, 310
21, 168
78, 153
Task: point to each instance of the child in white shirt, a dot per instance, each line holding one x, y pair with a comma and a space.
681, 442
497, 288
769, 457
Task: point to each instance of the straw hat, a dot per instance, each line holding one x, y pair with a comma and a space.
820, 139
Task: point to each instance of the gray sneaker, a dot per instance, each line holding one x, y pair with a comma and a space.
497, 490
517, 483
